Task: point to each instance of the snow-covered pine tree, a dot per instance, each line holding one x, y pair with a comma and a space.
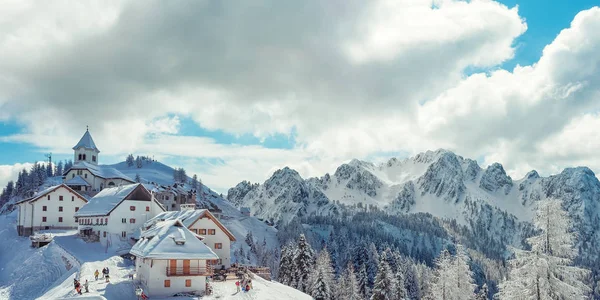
384, 286
138, 162
546, 272
465, 288
363, 281
351, 285
286, 264
59, 168
304, 260
195, 182
411, 283
483, 293
440, 287
372, 264
399, 292
322, 279
130, 160
137, 178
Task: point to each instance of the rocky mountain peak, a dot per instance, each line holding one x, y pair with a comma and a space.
495, 178
444, 178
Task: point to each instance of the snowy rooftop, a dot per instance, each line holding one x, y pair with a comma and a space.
105, 201
100, 171
41, 193
87, 142
187, 217
171, 240
77, 181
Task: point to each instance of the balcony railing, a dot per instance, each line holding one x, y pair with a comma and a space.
191, 271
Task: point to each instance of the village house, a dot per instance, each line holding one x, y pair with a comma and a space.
86, 175
52, 208
171, 259
203, 223
172, 197
115, 214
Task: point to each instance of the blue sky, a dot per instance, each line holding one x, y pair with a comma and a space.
310, 91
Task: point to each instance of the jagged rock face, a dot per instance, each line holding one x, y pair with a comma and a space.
579, 189
358, 178
236, 194
444, 178
284, 194
495, 178
405, 199
472, 169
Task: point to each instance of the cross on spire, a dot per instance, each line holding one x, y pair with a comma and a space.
86, 128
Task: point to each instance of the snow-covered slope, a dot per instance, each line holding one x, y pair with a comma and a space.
437, 182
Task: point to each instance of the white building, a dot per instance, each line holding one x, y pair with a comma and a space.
171, 259
115, 214
86, 175
52, 208
200, 221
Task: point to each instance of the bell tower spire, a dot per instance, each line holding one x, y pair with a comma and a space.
86, 150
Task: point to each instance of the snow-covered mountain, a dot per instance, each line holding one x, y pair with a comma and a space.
439, 182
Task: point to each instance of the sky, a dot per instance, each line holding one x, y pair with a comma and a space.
233, 91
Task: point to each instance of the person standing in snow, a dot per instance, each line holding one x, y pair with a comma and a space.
86, 285
237, 286
247, 287
107, 278
96, 274
75, 282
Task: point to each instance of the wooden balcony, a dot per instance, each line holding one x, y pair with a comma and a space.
191, 271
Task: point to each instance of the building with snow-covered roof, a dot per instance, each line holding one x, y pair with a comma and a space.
86, 175
171, 259
114, 214
202, 222
172, 197
52, 208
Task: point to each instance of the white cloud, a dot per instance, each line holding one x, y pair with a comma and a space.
351, 80
11, 172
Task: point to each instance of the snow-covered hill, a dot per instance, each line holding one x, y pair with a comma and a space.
437, 182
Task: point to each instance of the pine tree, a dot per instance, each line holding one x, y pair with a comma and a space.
399, 291
546, 272
453, 279
363, 281
411, 283
347, 287
303, 264
286, 264
59, 168
483, 293
384, 281
322, 277
195, 182
138, 162
372, 264
137, 178
130, 160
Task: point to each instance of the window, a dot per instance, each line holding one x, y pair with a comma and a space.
188, 283
85, 175
72, 198
97, 221
167, 283
84, 157
106, 221
73, 175
123, 220
211, 232
202, 231
79, 156
43, 219
147, 208
60, 198
123, 234
132, 221
48, 197
60, 208
44, 208
76, 209
101, 221
104, 234
218, 246
132, 208
59, 219
94, 158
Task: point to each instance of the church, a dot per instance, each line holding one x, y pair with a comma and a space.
86, 176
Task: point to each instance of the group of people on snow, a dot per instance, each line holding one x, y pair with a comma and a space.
245, 283
78, 286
